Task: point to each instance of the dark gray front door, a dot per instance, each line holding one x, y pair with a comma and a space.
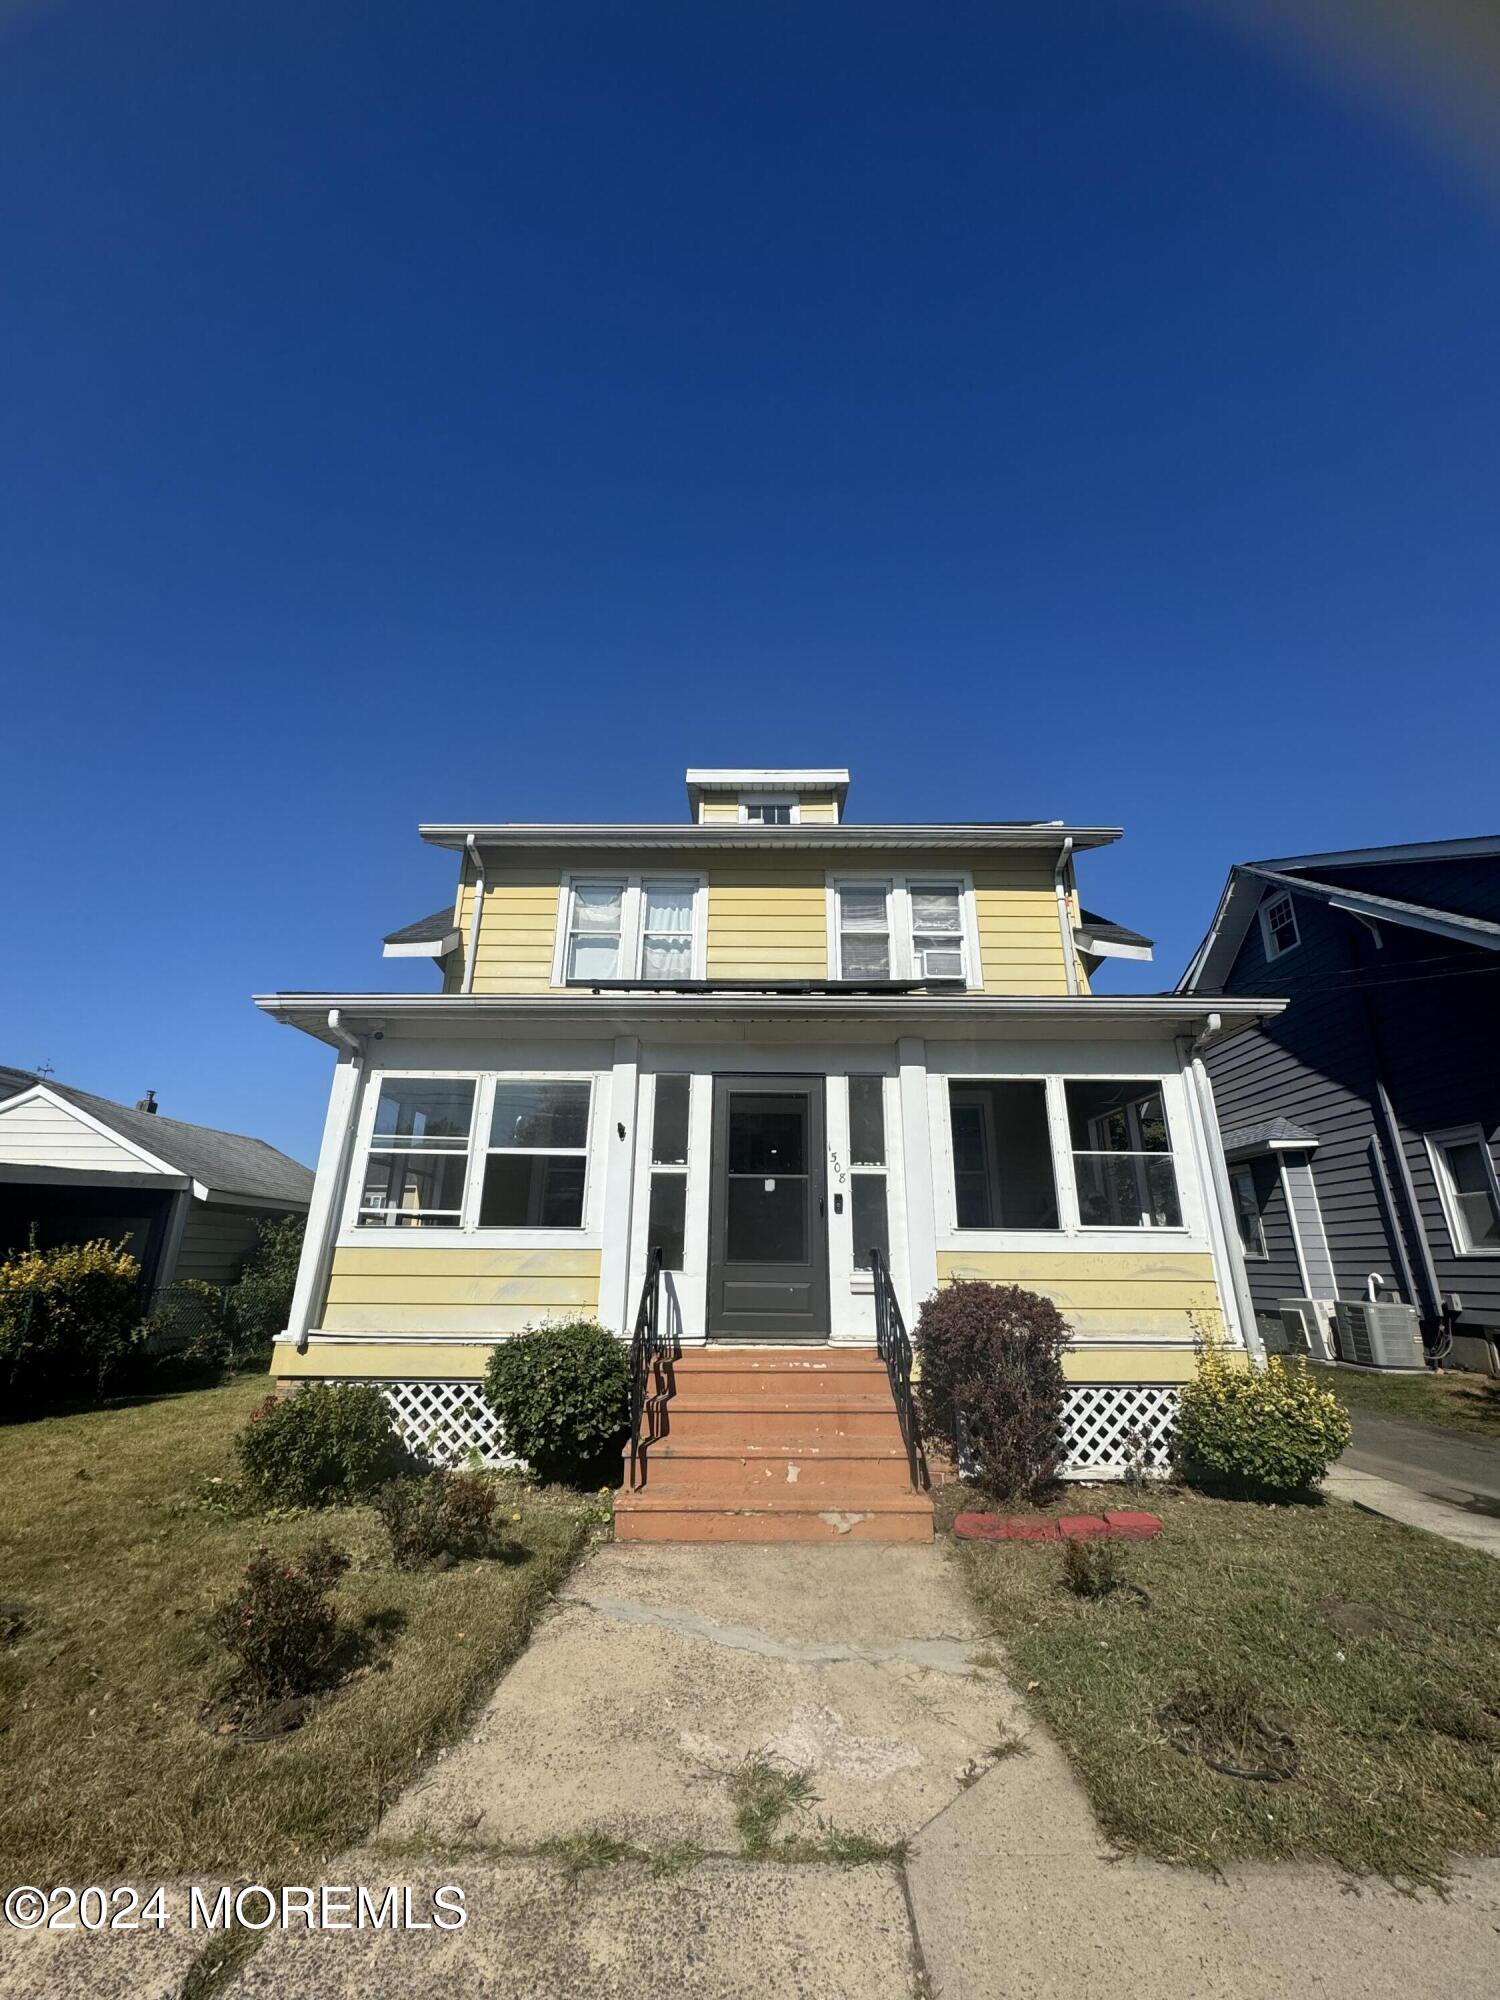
767, 1225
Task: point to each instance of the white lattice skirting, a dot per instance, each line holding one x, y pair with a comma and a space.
1112, 1427
447, 1422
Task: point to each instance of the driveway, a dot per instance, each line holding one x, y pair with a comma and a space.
1443, 1464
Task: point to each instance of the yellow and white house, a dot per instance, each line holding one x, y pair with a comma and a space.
771, 1041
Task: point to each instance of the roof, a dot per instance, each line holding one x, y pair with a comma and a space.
585, 837
1272, 1135
961, 1015
1249, 880
772, 779
428, 937
1100, 938
220, 1163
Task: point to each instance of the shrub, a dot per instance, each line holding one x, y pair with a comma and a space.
262, 1300
1093, 1567
439, 1519
1256, 1433
324, 1444
281, 1626
70, 1323
562, 1394
991, 1387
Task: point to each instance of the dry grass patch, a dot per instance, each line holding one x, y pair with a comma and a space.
106, 1767
1453, 1401
1351, 1663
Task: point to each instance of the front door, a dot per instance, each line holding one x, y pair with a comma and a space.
768, 1224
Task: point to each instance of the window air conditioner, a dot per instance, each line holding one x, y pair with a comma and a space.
1306, 1323
1384, 1336
943, 961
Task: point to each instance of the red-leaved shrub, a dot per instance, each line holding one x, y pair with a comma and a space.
281, 1627
991, 1387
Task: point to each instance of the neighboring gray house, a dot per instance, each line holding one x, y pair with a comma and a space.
191, 1200
1360, 1126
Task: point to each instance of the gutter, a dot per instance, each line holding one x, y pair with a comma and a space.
471, 846
1064, 914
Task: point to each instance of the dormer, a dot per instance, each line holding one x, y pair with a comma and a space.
767, 798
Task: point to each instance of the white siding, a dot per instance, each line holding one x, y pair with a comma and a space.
43, 1134
215, 1242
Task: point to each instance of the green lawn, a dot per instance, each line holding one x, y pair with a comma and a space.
105, 1766
1373, 1647
1455, 1401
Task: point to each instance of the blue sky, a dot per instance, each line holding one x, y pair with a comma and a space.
490, 410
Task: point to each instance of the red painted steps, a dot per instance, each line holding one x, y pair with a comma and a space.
775, 1444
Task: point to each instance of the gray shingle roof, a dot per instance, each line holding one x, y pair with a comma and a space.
426, 930
225, 1162
1270, 1132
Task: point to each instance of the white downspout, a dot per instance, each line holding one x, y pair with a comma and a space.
328, 1189
1064, 915
471, 846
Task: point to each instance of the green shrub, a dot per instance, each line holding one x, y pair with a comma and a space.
562, 1394
70, 1323
1256, 1433
262, 1300
281, 1627
440, 1518
990, 1391
323, 1445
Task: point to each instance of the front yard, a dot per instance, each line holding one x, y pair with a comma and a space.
108, 1765
1453, 1400
1359, 1657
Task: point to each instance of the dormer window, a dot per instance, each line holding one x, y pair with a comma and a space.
768, 812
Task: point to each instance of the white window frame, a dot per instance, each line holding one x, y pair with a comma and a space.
749, 799
864, 1281
632, 908
681, 1169
1243, 1171
1134, 1153
898, 888
483, 1147
375, 1233
468, 1229
1437, 1144
1273, 950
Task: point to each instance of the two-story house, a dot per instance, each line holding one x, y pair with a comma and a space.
1361, 1125
823, 1067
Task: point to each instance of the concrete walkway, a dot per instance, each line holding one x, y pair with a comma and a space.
594, 1819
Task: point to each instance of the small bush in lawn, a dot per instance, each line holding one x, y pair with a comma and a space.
441, 1518
281, 1626
1093, 1567
262, 1300
991, 1388
326, 1444
70, 1323
562, 1394
1256, 1433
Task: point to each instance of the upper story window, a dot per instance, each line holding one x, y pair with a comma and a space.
417, 1167
1122, 1156
631, 927
1278, 926
903, 928
1465, 1171
768, 812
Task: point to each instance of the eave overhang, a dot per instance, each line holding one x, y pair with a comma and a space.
962, 1017
590, 839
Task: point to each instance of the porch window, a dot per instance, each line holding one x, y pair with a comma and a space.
1002, 1155
1465, 1171
868, 1208
537, 1156
667, 1224
1247, 1211
418, 1162
864, 930
937, 931
596, 913
1122, 1155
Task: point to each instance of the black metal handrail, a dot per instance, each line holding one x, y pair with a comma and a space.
647, 1351
893, 1344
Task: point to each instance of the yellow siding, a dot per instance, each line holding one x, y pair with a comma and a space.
767, 921
1020, 946
1103, 1294
399, 1361
458, 1291
818, 809
720, 812
518, 931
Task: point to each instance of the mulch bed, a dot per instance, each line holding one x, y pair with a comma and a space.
1121, 1524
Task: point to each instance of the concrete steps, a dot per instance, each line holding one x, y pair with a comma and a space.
775, 1444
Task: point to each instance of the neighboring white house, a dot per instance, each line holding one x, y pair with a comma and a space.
74, 1167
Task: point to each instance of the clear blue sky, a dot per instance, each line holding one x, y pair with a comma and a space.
419, 412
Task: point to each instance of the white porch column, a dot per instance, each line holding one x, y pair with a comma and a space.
615, 1304
327, 1198
916, 1164
1218, 1204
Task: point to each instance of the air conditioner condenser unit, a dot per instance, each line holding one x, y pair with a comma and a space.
1307, 1328
1383, 1336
